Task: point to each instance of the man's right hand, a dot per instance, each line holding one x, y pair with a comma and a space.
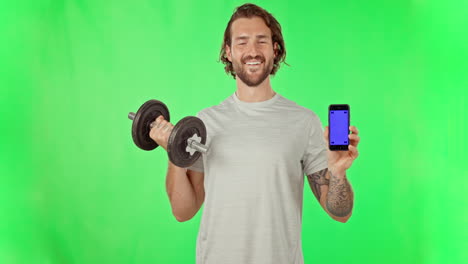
161, 131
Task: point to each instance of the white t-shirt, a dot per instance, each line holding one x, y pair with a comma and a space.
254, 180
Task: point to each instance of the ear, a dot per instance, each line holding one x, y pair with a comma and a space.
275, 49
228, 52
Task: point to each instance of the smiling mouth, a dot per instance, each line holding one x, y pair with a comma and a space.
253, 63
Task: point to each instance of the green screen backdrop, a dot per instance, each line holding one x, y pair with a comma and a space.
75, 189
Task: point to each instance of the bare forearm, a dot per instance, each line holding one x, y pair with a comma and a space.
181, 193
340, 195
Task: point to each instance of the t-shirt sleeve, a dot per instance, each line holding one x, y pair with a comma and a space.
315, 155
198, 165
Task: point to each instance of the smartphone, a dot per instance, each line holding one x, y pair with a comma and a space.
338, 127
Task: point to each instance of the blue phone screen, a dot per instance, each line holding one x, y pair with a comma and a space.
339, 127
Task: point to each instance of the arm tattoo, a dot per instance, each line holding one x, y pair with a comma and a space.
340, 196
316, 180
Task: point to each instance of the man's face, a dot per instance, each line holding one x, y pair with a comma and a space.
251, 51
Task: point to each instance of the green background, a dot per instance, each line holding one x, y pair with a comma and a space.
75, 189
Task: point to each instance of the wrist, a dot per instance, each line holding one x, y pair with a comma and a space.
340, 173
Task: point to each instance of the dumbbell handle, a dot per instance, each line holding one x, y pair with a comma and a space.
131, 116
191, 142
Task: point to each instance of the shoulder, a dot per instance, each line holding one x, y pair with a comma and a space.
215, 109
294, 108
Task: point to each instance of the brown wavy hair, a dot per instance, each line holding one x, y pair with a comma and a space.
249, 11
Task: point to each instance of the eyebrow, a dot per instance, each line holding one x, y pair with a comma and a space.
247, 37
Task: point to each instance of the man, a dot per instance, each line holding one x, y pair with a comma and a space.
261, 144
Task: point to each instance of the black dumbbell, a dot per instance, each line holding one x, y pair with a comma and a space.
186, 141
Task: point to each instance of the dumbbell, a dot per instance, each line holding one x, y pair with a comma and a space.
186, 141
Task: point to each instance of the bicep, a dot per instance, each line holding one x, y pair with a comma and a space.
196, 178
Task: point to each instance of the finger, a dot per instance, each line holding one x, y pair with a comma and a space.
166, 128
354, 139
353, 150
161, 124
158, 120
353, 129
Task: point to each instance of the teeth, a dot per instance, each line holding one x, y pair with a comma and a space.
253, 63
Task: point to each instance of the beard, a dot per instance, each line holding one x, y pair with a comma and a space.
242, 71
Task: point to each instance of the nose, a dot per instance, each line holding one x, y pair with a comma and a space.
252, 50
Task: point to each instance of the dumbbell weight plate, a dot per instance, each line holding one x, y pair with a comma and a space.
177, 143
146, 114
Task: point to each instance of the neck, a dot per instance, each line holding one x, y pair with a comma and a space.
252, 94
